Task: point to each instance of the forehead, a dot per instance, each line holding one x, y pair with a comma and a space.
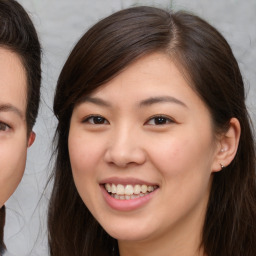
151, 75
13, 82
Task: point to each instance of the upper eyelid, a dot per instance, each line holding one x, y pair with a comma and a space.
86, 118
161, 115
11, 118
92, 115
3, 123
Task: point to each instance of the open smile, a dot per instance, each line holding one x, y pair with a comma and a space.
128, 192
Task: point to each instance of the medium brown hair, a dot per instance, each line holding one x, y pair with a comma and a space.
212, 71
17, 34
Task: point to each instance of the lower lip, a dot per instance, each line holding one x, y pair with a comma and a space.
126, 205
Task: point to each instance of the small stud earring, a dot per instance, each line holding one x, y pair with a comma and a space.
222, 166
223, 150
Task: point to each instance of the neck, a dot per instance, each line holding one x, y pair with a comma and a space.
2, 222
162, 247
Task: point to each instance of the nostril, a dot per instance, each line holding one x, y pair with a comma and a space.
125, 156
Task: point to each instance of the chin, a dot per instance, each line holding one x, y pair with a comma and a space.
128, 234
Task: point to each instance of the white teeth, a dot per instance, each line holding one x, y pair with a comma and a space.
108, 187
120, 189
113, 188
150, 188
125, 197
127, 192
136, 190
144, 188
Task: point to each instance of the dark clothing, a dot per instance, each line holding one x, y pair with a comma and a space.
2, 222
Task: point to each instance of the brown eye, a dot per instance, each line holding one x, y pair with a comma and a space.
159, 120
96, 120
4, 127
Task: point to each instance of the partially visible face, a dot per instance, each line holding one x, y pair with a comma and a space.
13, 128
142, 152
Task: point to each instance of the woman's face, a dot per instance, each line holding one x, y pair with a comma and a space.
142, 152
13, 129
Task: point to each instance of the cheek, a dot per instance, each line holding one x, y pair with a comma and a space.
85, 152
12, 166
84, 155
186, 177
184, 158
170, 155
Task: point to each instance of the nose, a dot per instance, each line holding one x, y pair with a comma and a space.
125, 148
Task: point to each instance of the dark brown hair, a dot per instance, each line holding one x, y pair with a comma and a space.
212, 70
17, 34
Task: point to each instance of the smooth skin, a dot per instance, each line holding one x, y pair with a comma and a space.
148, 124
13, 128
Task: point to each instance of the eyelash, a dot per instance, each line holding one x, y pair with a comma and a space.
158, 120
94, 118
4, 127
163, 120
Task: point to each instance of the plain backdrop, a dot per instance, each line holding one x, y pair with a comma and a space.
60, 23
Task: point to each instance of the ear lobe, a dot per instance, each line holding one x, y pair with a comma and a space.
31, 138
228, 144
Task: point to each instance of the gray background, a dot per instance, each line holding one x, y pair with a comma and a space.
60, 23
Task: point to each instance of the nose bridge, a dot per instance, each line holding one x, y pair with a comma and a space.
123, 134
125, 146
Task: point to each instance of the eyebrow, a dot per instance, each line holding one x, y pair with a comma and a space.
10, 108
146, 102
161, 99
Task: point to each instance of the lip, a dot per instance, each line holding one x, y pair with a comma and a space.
127, 205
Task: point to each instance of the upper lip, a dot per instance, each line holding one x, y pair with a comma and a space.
127, 181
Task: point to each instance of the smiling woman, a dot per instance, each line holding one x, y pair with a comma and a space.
20, 78
155, 153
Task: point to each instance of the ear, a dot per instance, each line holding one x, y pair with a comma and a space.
31, 139
227, 146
